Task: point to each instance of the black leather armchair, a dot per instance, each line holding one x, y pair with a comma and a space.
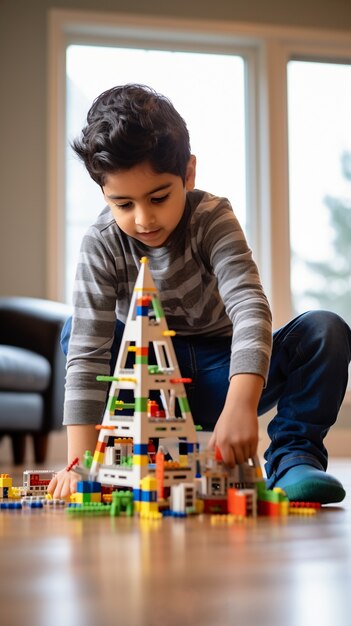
32, 372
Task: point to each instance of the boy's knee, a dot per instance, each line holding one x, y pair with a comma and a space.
328, 327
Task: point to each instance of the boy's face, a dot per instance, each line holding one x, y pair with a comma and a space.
146, 205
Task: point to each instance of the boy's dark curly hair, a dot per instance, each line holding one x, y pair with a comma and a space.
129, 125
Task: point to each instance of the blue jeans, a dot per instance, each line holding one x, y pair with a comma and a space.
307, 382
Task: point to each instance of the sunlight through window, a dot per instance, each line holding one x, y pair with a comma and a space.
320, 185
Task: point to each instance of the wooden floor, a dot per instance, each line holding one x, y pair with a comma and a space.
58, 570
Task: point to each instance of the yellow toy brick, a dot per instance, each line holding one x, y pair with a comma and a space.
95, 497
98, 457
284, 508
148, 507
148, 483
5, 480
140, 459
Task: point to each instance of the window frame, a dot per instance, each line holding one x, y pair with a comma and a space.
266, 50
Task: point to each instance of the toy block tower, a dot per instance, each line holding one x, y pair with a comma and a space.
155, 371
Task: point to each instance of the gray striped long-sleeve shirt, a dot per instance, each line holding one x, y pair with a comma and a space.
208, 284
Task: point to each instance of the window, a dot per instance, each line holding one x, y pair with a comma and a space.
319, 97
208, 90
272, 106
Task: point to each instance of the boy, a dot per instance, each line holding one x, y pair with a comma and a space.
135, 146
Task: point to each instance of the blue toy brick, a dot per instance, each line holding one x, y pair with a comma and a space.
36, 505
140, 448
183, 447
10, 505
142, 310
149, 496
84, 486
137, 495
95, 486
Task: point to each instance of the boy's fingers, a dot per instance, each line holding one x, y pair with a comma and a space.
228, 455
233, 455
247, 452
52, 485
72, 486
239, 456
212, 442
57, 492
253, 451
65, 491
59, 486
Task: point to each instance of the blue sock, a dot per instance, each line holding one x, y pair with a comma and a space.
305, 483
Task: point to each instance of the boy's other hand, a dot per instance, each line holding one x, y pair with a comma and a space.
63, 484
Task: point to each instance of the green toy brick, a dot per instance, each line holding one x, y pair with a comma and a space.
184, 405
141, 404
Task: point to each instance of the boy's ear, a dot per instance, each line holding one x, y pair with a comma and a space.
190, 173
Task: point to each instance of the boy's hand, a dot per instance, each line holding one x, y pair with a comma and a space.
63, 484
236, 436
236, 431
80, 437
